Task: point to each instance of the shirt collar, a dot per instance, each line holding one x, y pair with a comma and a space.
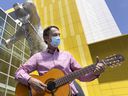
57, 50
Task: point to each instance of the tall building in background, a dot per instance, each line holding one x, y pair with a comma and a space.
10, 59
97, 20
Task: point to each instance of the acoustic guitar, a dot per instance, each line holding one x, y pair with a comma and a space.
58, 83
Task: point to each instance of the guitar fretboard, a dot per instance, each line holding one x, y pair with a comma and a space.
74, 75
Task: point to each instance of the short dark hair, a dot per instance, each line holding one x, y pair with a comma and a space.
47, 31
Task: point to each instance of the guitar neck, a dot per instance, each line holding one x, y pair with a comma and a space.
108, 61
76, 74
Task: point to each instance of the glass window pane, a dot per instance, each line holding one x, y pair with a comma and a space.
2, 91
27, 51
26, 56
12, 82
6, 35
1, 31
4, 67
2, 14
9, 28
1, 22
10, 93
12, 71
11, 21
3, 78
4, 55
19, 45
1, 26
19, 52
15, 61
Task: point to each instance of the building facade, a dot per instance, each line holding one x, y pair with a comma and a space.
10, 59
97, 20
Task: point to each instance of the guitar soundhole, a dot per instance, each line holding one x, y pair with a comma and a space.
51, 86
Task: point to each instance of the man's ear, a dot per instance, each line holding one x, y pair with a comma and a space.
46, 39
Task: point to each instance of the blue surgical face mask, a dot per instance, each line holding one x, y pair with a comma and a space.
55, 41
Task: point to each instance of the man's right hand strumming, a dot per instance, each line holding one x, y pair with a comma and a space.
37, 85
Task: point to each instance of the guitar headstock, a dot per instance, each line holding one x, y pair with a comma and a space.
113, 60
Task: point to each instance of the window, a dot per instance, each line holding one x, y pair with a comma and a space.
4, 55
3, 78
12, 82
4, 66
1, 22
15, 61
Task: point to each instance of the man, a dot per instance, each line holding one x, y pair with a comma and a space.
53, 58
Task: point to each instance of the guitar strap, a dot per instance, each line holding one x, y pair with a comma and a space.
30, 91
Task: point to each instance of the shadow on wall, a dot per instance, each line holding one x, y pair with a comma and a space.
118, 45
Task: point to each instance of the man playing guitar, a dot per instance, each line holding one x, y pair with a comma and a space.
53, 58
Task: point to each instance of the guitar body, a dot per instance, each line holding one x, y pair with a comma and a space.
53, 74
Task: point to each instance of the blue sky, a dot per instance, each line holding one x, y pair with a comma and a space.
118, 9
6, 4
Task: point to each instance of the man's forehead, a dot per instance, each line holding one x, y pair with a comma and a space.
54, 29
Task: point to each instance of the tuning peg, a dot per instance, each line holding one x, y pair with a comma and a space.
114, 54
97, 59
117, 61
119, 64
114, 62
115, 65
107, 57
112, 66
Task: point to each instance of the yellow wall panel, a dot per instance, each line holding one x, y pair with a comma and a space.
76, 29
114, 81
90, 88
105, 86
120, 84
67, 28
97, 91
64, 11
107, 93
120, 91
